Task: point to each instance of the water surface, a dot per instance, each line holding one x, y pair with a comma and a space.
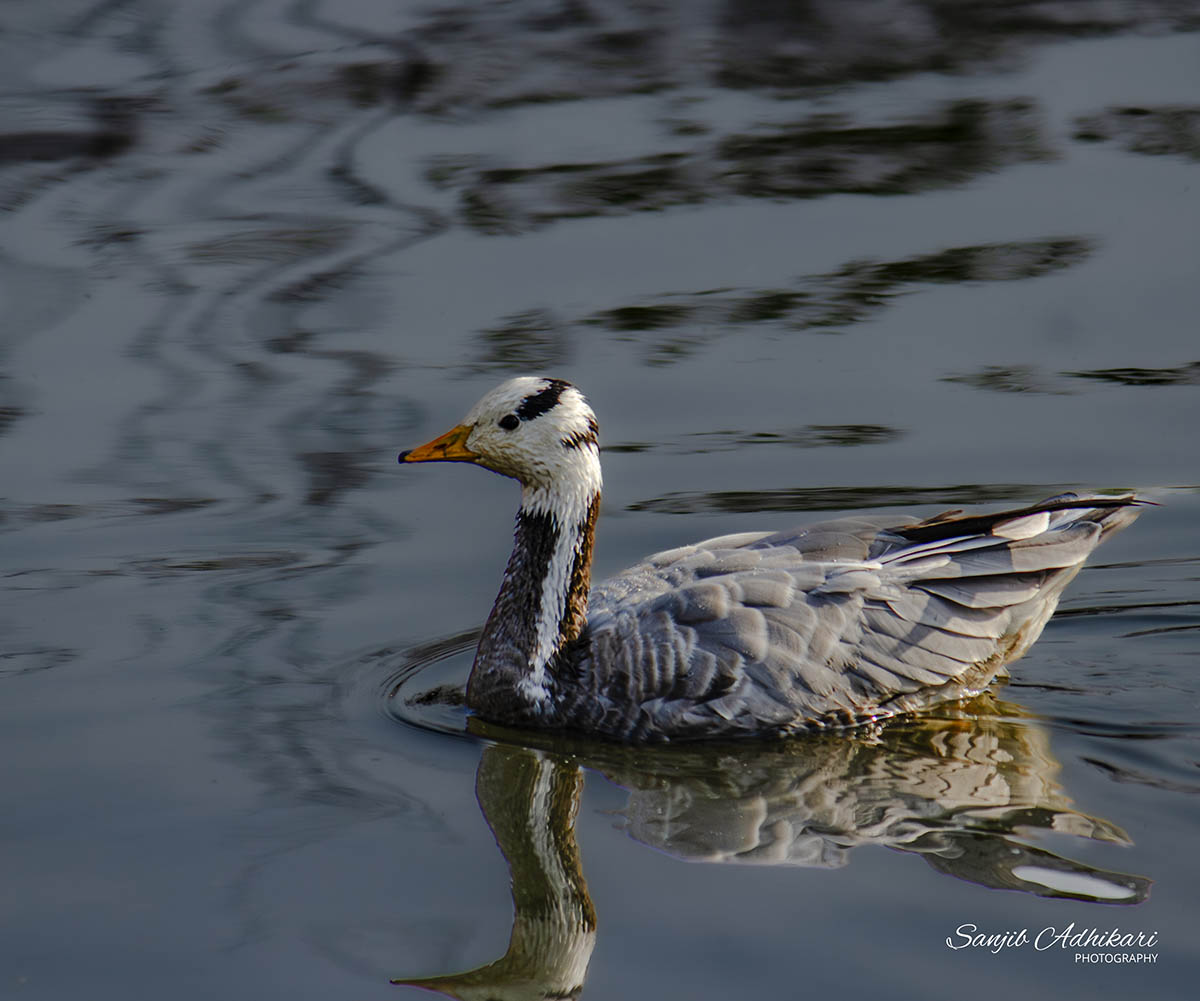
801, 259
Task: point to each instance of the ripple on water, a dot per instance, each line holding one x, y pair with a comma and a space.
428, 689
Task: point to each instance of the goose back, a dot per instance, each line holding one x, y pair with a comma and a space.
832, 624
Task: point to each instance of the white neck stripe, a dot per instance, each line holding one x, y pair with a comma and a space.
570, 515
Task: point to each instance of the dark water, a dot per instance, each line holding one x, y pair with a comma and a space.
802, 258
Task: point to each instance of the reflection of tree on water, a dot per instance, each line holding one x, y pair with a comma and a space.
962, 789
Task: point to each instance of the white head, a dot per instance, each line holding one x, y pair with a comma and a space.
536, 430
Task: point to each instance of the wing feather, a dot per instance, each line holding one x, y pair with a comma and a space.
882, 622
750, 631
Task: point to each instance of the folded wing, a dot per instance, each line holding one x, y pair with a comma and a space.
831, 624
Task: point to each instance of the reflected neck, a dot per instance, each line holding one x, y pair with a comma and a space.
530, 800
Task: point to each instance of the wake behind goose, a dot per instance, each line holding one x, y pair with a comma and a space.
832, 624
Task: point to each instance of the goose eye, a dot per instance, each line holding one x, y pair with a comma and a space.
510, 422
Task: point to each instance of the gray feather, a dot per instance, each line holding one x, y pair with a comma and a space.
830, 623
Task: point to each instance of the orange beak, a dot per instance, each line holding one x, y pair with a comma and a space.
450, 447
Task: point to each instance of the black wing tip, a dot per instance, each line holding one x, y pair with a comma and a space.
942, 527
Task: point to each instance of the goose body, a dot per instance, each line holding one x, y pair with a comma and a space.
832, 624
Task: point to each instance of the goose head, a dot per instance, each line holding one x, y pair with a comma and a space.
539, 431
542, 433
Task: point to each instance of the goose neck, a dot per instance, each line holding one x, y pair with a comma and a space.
541, 607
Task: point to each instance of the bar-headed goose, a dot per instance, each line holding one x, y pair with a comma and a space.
831, 624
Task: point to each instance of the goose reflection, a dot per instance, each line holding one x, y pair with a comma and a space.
964, 790
530, 799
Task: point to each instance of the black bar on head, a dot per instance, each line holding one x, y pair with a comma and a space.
539, 403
